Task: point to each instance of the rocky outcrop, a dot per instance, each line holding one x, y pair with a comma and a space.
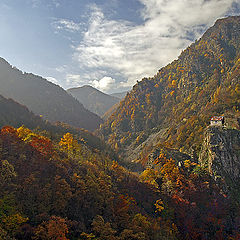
221, 154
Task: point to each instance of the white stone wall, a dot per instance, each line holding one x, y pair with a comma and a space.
216, 123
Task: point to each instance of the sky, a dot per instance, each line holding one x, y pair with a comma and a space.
106, 44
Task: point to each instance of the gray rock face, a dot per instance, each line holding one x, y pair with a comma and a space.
221, 153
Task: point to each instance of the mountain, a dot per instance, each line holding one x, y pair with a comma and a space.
64, 183
120, 95
110, 111
55, 186
173, 108
93, 99
44, 98
15, 114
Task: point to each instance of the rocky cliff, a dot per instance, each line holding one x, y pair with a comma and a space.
221, 154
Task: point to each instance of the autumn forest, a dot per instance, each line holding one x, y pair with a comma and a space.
154, 169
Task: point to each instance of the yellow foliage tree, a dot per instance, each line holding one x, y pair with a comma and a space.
23, 133
159, 205
68, 143
174, 83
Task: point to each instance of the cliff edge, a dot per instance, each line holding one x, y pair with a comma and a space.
220, 153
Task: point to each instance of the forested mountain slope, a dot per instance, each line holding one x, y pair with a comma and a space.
93, 99
180, 99
17, 115
44, 98
65, 186
62, 189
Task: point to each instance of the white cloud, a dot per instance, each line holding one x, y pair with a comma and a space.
103, 84
38, 3
135, 51
56, 3
61, 69
73, 78
68, 25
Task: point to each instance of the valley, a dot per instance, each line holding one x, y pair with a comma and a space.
146, 164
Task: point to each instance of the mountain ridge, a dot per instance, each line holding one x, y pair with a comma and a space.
182, 96
44, 98
15, 114
93, 99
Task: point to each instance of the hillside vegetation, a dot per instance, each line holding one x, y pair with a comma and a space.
58, 182
63, 189
181, 97
17, 115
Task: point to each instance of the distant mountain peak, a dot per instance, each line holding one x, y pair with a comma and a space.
44, 98
93, 99
84, 86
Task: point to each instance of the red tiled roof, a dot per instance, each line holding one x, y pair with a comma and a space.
216, 118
